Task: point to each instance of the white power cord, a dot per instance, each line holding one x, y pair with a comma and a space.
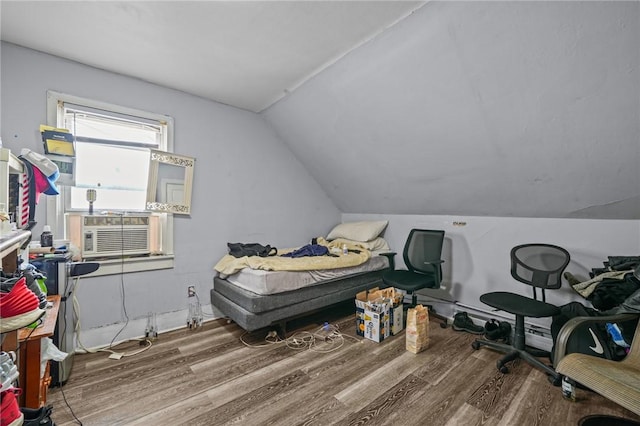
113, 354
326, 338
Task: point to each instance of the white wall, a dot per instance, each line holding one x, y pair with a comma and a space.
248, 187
477, 254
485, 108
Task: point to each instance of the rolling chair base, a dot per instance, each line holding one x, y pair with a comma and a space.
513, 353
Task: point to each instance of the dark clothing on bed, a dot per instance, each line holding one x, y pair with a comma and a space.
308, 250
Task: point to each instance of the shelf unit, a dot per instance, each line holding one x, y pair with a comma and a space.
9, 164
25, 342
10, 243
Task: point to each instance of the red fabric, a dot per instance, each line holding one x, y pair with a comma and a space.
9, 410
18, 301
42, 184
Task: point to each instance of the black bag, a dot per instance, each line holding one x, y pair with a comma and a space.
591, 339
251, 249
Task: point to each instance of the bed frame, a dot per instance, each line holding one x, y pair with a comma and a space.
252, 311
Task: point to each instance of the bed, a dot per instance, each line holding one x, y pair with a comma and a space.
256, 294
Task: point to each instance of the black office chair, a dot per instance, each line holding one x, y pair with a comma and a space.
540, 266
422, 255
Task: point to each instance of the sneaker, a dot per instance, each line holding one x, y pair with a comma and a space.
462, 322
33, 285
491, 326
8, 370
498, 331
19, 307
10, 414
37, 416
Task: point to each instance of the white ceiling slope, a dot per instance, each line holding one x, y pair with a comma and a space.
477, 108
241, 53
482, 108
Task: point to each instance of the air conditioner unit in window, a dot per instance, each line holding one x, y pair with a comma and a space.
114, 235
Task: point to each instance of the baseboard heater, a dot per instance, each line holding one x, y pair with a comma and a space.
536, 335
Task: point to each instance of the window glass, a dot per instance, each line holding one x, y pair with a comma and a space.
112, 157
118, 174
112, 153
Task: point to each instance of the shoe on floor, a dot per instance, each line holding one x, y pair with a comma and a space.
10, 414
498, 331
491, 326
19, 307
37, 416
462, 322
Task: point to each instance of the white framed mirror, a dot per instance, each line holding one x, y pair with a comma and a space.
169, 185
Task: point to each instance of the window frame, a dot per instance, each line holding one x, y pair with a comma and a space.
57, 206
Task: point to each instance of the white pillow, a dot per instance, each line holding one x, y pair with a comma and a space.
377, 244
358, 231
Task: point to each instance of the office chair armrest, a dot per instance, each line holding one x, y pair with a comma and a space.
436, 269
573, 323
391, 257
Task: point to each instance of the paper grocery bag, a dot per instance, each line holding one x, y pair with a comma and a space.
417, 334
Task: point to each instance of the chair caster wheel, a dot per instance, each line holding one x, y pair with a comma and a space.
503, 368
475, 345
555, 380
443, 325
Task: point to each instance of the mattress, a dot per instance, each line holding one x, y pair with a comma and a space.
263, 283
257, 303
252, 311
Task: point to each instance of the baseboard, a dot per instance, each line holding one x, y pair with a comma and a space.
101, 337
536, 336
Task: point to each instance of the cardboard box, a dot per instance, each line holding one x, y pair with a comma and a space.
376, 324
396, 319
361, 303
378, 313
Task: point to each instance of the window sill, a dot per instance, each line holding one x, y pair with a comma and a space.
131, 264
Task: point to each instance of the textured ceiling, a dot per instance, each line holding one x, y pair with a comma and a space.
241, 53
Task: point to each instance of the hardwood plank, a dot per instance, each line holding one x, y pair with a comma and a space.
180, 412
208, 376
377, 381
388, 406
249, 405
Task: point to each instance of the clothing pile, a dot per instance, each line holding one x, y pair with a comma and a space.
612, 290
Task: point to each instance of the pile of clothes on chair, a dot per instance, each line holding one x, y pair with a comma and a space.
611, 290
611, 286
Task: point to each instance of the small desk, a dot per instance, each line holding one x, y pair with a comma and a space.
34, 387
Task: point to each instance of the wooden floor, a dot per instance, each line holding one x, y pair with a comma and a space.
208, 376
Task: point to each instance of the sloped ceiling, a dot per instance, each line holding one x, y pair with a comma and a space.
527, 109
246, 54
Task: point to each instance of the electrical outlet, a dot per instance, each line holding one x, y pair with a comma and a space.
191, 291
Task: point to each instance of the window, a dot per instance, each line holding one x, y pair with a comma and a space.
112, 157
113, 146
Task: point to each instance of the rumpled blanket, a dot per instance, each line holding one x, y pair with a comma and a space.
229, 265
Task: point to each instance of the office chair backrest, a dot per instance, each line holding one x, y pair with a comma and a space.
424, 245
539, 265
